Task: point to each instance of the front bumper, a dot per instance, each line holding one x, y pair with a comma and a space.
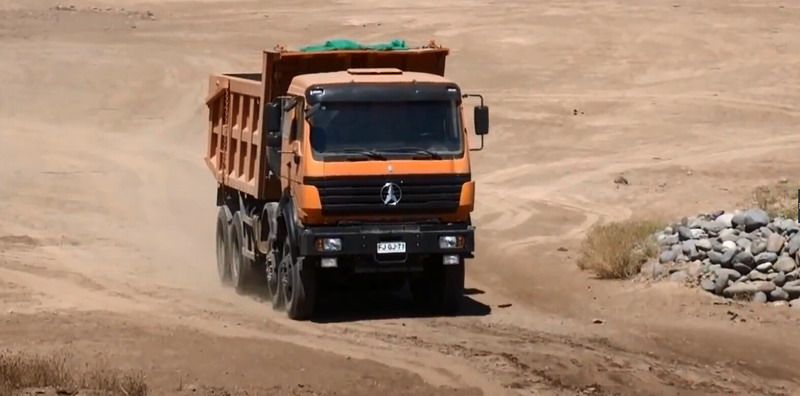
363, 240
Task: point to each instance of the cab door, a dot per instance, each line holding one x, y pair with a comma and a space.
292, 132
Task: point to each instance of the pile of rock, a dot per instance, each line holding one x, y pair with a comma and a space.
743, 254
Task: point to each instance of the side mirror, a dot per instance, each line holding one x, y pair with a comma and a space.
274, 115
481, 119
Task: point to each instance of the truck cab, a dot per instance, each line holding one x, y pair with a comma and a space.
373, 169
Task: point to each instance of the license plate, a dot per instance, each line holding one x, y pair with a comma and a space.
391, 247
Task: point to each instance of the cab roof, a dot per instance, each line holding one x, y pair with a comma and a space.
301, 83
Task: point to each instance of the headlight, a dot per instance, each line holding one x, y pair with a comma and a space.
451, 260
329, 244
448, 242
451, 242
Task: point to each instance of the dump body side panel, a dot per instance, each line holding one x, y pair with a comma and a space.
235, 148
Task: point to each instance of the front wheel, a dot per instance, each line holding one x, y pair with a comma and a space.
298, 278
440, 288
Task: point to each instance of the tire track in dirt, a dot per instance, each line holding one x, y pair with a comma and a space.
220, 312
159, 265
527, 361
507, 201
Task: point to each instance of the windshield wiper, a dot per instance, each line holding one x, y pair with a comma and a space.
364, 152
417, 150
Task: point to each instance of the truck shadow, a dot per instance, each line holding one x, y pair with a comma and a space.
338, 307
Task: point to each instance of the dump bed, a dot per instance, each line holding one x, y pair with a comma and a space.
236, 148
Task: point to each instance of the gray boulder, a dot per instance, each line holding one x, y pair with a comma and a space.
715, 257
748, 288
779, 279
788, 226
775, 243
764, 267
703, 244
757, 276
742, 268
743, 243
745, 258
794, 245
669, 240
729, 234
727, 257
727, 273
793, 290
725, 219
778, 295
766, 257
738, 220
684, 233
759, 246
688, 246
667, 256
713, 227
708, 285
755, 219
760, 298
785, 264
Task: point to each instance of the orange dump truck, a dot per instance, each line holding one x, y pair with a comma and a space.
339, 169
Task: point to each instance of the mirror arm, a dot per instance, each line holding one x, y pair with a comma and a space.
479, 148
474, 96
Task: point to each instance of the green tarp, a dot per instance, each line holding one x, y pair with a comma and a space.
345, 44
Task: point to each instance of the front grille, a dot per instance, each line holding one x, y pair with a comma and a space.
419, 194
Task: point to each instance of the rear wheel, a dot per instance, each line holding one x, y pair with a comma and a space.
298, 283
222, 242
440, 288
242, 274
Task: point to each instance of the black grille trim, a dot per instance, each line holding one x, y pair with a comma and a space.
422, 194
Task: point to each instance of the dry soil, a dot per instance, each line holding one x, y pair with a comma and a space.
107, 209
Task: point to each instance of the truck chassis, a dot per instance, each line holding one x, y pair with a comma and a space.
262, 244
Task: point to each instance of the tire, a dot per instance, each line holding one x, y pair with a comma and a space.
298, 283
273, 258
222, 242
273, 279
242, 272
441, 287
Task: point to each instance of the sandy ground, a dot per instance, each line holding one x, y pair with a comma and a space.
107, 210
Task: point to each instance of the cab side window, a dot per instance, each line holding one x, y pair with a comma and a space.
298, 119
287, 128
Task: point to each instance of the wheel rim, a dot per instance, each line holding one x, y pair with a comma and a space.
236, 257
287, 274
272, 274
221, 270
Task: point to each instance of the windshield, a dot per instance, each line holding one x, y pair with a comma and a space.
376, 130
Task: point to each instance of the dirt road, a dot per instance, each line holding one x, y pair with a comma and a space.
107, 210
